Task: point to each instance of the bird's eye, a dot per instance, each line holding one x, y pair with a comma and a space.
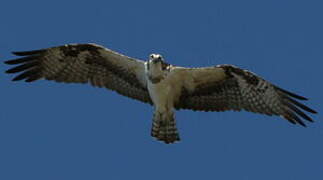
152, 56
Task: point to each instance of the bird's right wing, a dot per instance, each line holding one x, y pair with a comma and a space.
226, 87
84, 63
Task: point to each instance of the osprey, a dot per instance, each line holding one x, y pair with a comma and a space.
166, 87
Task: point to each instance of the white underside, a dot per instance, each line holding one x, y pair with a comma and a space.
161, 95
165, 93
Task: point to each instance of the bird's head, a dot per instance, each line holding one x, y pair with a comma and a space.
157, 67
157, 63
156, 58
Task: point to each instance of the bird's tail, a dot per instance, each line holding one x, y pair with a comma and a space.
164, 127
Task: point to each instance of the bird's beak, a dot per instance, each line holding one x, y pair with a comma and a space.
155, 61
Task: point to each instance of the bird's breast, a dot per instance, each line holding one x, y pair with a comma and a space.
165, 92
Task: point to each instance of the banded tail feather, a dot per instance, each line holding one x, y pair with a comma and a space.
164, 128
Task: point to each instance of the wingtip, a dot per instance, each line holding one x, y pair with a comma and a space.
27, 53
302, 124
293, 118
313, 111
7, 62
15, 53
15, 79
21, 53
302, 106
10, 71
292, 94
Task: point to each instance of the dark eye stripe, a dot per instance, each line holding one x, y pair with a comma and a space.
164, 66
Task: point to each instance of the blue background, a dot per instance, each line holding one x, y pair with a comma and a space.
58, 131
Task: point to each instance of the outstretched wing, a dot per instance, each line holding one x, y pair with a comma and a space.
83, 63
226, 87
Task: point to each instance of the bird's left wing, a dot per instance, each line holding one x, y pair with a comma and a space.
84, 63
226, 87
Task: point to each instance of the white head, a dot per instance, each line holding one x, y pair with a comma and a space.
157, 68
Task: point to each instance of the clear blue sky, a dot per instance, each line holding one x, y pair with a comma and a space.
51, 131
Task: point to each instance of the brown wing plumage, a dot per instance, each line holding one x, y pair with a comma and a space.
83, 63
238, 89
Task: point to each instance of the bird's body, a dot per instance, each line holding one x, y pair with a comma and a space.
166, 87
164, 92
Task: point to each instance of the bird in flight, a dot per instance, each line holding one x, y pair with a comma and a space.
164, 86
